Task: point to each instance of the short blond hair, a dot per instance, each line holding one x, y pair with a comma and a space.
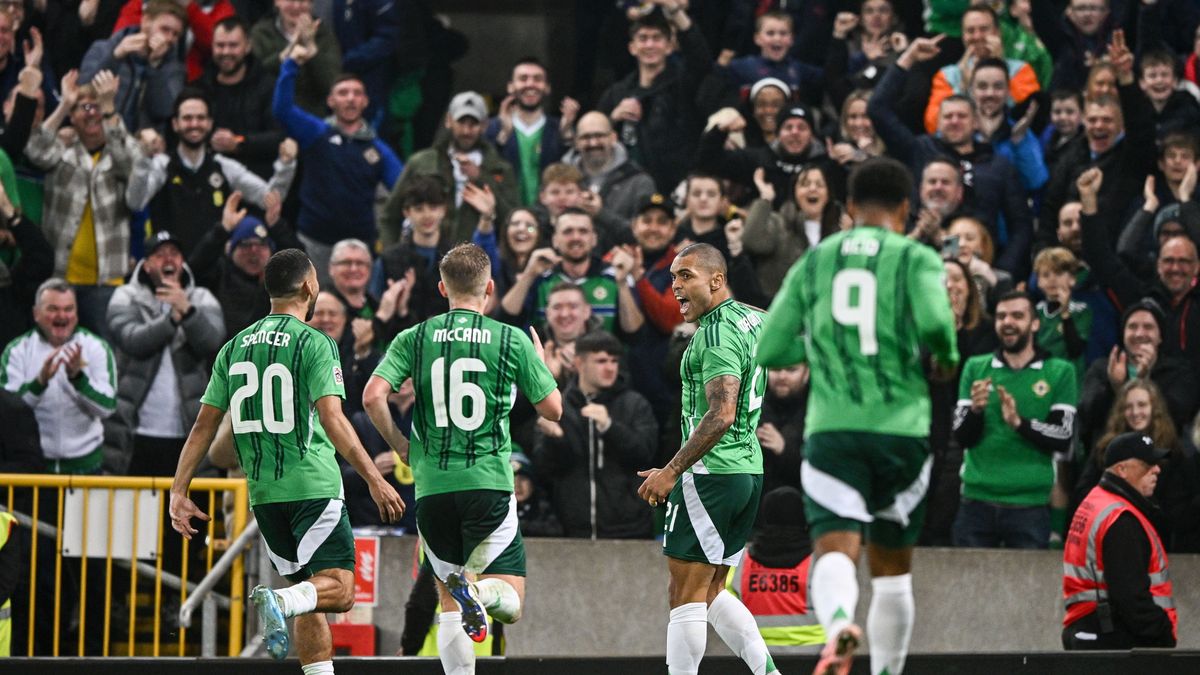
1055, 260
465, 270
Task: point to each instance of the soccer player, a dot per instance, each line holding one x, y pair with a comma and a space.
275, 377
464, 367
858, 309
712, 485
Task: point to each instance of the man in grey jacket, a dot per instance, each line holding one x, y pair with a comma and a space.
165, 330
613, 184
145, 59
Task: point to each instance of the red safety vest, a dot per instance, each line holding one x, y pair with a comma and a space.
775, 596
1083, 566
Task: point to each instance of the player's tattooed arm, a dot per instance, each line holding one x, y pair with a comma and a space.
722, 396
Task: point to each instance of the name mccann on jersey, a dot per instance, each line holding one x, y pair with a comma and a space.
267, 337
480, 335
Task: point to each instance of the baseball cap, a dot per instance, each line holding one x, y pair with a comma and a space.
654, 201
468, 104
521, 465
796, 111
770, 82
249, 228
158, 240
1133, 445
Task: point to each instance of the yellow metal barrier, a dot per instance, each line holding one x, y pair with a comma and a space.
110, 484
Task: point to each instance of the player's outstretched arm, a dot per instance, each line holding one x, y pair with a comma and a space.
780, 344
375, 396
341, 434
182, 508
722, 395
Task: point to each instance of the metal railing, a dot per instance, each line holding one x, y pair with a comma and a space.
131, 490
202, 594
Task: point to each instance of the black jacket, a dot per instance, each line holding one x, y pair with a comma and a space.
779, 166
245, 109
19, 280
1173, 376
666, 135
610, 461
1125, 550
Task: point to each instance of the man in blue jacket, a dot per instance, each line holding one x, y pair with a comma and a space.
343, 160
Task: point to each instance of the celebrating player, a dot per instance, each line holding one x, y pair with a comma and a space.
272, 377
858, 309
464, 367
712, 485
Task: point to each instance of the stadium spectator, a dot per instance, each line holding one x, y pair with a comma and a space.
705, 210
520, 236
982, 41
460, 158
534, 511
65, 373
70, 28
1065, 323
186, 187
202, 17
273, 39
25, 92
1140, 354
574, 258
230, 260
1076, 38
1174, 109
406, 275
568, 317
344, 161
940, 195
774, 37
239, 90
613, 183
993, 190
977, 252
357, 352
26, 260
1011, 138
654, 106
1115, 584
528, 138
350, 271
776, 239
146, 62
781, 427
856, 141
1172, 288
165, 330
592, 455
13, 61
84, 216
369, 34
863, 46
1016, 408
1066, 124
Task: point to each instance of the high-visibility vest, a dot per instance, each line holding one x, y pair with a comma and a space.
1083, 566
778, 599
430, 646
6, 524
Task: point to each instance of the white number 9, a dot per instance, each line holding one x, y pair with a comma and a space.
861, 314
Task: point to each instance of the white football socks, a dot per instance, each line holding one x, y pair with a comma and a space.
736, 626
455, 649
834, 591
500, 599
298, 599
687, 634
318, 668
889, 623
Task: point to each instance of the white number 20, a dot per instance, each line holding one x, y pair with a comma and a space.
861, 314
287, 416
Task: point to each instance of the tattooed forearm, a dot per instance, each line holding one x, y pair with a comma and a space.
721, 394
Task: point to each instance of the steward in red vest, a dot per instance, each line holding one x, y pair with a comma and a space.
1116, 583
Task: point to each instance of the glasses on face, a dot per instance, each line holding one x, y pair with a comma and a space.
352, 263
592, 137
89, 107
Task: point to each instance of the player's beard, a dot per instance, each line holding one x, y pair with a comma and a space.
312, 307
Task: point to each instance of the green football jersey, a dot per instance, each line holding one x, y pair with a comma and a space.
857, 309
269, 377
465, 369
724, 345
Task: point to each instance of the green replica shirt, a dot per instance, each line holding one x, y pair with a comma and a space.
1050, 335
599, 288
465, 369
857, 309
270, 377
1005, 466
724, 345
529, 169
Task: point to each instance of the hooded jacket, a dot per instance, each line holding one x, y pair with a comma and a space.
593, 475
146, 95
141, 327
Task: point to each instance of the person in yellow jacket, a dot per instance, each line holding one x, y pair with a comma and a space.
9, 565
772, 578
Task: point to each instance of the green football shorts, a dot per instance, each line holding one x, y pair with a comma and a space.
709, 517
307, 536
854, 479
473, 530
